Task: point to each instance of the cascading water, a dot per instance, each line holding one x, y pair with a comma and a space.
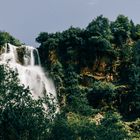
25, 60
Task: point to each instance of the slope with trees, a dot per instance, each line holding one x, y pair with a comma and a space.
99, 73
96, 72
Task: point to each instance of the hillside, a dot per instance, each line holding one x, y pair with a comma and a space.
96, 72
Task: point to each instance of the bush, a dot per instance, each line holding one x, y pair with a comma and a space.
101, 94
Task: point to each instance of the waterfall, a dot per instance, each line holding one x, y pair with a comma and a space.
26, 62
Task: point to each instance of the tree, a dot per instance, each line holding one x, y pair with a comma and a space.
100, 27
21, 117
131, 106
121, 30
126, 56
7, 38
70, 42
135, 31
76, 97
42, 37
111, 127
73, 127
134, 102
101, 94
57, 73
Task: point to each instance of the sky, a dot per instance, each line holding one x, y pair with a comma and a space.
25, 19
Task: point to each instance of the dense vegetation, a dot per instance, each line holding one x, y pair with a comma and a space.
7, 38
96, 71
21, 117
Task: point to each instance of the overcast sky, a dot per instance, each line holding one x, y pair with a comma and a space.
25, 19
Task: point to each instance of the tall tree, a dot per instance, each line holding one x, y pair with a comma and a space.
121, 29
100, 27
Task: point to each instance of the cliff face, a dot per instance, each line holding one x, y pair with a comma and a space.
103, 68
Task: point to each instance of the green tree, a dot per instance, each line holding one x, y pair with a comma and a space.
76, 95
121, 30
57, 73
100, 27
73, 127
126, 56
101, 94
21, 117
7, 38
42, 37
132, 104
135, 31
112, 128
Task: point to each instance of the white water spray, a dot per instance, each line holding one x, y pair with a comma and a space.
25, 60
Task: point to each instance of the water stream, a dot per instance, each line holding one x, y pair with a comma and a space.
25, 60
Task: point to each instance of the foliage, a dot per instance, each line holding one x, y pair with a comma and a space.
21, 117
112, 128
100, 27
74, 127
101, 94
134, 79
121, 30
76, 96
7, 38
96, 71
